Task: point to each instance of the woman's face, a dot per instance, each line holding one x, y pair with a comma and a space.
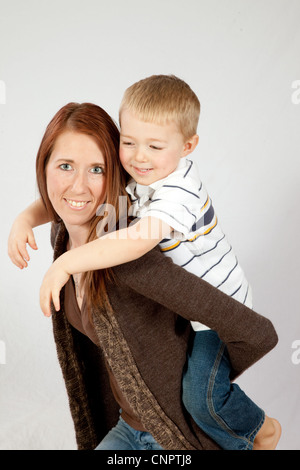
75, 177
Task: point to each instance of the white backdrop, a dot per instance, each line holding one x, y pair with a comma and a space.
241, 57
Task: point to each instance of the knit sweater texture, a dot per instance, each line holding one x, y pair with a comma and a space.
144, 335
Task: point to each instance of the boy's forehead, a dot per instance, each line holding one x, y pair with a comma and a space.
160, 123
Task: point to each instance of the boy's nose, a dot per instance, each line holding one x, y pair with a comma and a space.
140, 156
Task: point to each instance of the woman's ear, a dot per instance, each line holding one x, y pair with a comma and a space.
190, 145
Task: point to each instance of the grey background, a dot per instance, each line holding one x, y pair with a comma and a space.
241, 57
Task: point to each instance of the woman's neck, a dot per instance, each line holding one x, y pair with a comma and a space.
77, 235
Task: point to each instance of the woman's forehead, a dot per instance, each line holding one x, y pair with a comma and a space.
77, 147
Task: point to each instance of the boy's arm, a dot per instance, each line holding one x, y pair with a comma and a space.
110, 250
21, 232
117, 247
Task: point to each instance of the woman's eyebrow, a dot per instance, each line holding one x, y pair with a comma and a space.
62, 159
69, 160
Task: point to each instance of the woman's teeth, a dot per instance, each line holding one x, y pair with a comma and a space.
76, 204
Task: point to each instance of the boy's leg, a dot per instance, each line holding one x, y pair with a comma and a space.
219, 407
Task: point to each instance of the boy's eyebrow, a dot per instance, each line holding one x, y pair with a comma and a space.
149, 139
126, 135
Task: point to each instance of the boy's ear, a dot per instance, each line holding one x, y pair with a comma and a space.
190, 145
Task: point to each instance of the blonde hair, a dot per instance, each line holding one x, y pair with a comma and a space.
161, 99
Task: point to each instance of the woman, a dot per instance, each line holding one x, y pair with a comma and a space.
122, 335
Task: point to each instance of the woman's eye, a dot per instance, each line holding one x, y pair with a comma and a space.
65, 167
98, 170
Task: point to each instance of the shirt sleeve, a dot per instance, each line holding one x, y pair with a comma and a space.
247, 334
180, 203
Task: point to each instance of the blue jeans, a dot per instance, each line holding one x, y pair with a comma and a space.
221, 409
124, 437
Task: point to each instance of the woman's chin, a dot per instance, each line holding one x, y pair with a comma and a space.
76, 218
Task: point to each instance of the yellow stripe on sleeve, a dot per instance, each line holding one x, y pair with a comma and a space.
170, 247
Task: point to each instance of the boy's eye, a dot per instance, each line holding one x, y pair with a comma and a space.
98, 170
155, 148
127, 143
65, 167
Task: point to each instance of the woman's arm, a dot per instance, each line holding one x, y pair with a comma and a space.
21, 232
248, 335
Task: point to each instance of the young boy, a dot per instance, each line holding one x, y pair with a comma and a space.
158, 118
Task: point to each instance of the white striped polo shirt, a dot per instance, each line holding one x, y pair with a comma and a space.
198, 243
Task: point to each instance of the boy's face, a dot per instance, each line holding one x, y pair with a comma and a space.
148, 151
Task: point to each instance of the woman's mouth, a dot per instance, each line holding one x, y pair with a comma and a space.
76, 204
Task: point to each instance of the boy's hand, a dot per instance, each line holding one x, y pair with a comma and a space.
54, 280
21, 233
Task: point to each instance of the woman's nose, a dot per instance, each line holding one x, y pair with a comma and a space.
79, 182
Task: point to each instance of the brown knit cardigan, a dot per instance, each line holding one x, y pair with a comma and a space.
144, 334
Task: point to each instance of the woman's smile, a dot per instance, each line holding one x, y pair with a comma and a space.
76, 205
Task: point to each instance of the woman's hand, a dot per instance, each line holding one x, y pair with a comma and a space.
21, 233
54, 280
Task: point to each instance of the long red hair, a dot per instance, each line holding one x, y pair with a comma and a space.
89, 119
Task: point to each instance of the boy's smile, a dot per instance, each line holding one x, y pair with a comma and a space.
149, 151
